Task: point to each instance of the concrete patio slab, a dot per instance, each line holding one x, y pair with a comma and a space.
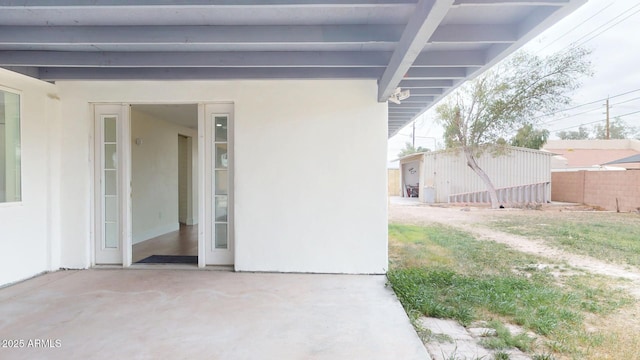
180, 314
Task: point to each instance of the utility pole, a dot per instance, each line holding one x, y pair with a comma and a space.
413, 133
607, 134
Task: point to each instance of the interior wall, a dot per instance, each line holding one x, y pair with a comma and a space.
29, 237
154, 175
310, 168
410, 174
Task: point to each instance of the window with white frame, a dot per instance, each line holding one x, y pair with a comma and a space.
10, 178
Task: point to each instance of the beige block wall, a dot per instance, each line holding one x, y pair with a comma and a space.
568, 186
393, 181
599, 188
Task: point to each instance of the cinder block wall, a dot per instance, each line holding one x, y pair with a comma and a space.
568, 186
598, 188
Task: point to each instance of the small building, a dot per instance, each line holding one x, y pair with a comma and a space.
521, 175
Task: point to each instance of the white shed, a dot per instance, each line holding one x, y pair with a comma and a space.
521, 176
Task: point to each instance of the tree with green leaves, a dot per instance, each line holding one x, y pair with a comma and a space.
507, 97
528, 137
410, 149
618, 129
581, 134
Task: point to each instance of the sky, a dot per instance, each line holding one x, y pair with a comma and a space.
611, 30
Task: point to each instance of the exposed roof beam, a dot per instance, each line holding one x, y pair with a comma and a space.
407, 106
215, 12
405, 117
186, 3
24, 70
185, 35
474, 34
196, 59
419, 99
435, 73
402, 111
234, 59
426, 91
510, 2
53, 74
423, 23
450, 58
425, 84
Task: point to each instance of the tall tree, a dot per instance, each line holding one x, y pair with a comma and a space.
410, 149
499, 102
618, 129
531, 138
581, 134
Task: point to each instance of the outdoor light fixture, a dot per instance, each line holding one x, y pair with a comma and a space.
399, 95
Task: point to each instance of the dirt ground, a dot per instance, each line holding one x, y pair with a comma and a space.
470, 219
622, 325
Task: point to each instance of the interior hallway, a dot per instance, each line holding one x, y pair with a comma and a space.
179, 242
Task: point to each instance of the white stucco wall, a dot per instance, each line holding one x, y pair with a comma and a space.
154, 175
310, 169
29, 231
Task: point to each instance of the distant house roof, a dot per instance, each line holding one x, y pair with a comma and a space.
629, 159
591, 157
592, 153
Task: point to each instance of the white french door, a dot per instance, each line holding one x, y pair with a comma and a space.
216, 215
112, 186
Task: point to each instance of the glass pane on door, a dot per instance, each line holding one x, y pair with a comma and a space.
220, 182
222, 160
221, 129
221, 208
110, 183
221, 236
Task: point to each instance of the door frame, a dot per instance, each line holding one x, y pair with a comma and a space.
123, 159
124, 183
206, 233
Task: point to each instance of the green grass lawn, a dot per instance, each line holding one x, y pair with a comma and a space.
441, 272
607, 236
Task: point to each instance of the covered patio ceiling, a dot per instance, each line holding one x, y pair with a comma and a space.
427, 46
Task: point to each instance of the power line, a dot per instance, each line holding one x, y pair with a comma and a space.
575, 126
597, 121
627, 114
626, 101
585, 104
588, 111
599, 12
610, 27
569, 116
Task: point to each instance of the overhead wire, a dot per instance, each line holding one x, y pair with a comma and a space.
598, 13
610, 27
585, 104
597, 121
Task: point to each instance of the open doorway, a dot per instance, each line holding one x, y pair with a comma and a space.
164, 201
